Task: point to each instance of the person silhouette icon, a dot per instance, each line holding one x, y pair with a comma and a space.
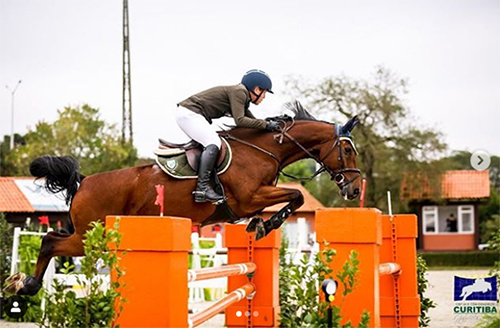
15, 308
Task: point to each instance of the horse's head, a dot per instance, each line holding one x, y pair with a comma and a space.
340, 159
336, 153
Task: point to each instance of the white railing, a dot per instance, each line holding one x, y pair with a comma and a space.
213, 257
15, 246
68, 280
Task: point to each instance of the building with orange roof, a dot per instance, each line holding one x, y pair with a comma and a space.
22, 198
447, 208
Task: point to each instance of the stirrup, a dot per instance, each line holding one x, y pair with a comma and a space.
201, 197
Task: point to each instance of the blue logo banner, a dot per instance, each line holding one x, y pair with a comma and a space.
478, 289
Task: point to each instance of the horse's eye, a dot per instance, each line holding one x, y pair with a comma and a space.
348, 150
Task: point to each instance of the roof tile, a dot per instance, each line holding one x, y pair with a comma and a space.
11, 197
460, 184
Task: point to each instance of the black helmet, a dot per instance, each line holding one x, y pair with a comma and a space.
257, 78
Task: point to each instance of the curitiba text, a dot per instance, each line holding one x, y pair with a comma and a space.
464, 309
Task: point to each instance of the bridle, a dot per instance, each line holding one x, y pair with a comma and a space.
338, 176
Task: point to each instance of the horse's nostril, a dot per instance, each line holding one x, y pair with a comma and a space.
356, 191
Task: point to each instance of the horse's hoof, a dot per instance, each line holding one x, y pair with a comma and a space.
251, 227
260, 231
14, 283
31, 287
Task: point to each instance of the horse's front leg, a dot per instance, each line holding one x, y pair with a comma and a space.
268, 196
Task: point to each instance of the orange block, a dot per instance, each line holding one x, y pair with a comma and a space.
359, 229
265, 303
370, 234
156, 265
406, 255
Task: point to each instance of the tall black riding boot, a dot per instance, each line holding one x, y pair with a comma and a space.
204, 191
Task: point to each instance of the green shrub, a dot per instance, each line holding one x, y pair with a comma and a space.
425, 303
300, 301
7, 234
97, 308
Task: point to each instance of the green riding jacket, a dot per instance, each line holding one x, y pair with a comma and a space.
222, 101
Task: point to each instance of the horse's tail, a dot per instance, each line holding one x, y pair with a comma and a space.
60, 173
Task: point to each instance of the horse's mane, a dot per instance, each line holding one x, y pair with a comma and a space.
299, 113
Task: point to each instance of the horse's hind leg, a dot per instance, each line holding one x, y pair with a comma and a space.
53, 244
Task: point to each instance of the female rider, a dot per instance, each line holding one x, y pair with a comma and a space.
194, 116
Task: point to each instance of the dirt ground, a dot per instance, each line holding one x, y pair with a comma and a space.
440, 291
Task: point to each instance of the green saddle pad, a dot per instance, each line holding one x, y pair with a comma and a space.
177, 166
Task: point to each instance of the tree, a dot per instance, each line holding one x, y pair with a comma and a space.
6, 167
78, 132
388, 138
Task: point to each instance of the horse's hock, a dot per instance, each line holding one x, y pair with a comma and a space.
157, 275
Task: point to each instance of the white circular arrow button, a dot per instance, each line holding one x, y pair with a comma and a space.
480, 160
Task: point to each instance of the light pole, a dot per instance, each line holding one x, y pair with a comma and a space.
12, 92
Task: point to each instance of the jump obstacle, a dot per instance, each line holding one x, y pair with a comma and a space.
387, 270
157, 275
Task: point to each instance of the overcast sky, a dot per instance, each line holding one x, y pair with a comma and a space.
69, 52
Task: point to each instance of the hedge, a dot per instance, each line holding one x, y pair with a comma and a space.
461, 259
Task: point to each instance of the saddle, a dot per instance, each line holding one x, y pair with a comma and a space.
182, 160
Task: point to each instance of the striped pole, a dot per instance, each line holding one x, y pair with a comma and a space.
389, 268
222, 271
222, 304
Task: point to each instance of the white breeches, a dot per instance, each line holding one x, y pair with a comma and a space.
196, 127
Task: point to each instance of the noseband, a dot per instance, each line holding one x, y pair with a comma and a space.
338, 176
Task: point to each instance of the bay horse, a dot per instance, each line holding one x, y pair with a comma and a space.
249, 184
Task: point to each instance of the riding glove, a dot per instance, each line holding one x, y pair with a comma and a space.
272, 126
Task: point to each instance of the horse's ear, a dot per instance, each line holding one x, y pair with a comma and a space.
347, 128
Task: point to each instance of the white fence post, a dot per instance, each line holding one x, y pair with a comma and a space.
15, 251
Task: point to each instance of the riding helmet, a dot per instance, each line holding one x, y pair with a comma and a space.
257, 78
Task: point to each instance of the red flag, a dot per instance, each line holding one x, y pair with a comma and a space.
43, 220
160, 191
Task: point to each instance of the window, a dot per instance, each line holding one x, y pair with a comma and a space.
466, 219
448, 219
430, 219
